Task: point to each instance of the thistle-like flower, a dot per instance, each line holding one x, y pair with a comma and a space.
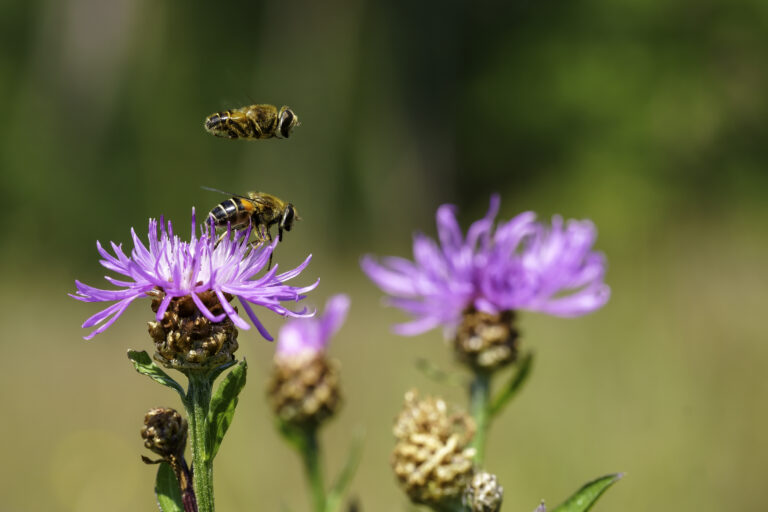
205, 273
519, 265
471, 286
304, 386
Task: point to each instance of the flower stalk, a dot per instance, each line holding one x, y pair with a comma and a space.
311, 456
479, 400
197, 405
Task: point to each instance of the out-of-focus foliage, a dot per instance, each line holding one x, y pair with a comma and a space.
648, 117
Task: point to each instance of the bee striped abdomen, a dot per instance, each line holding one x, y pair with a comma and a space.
232, 124
233, 211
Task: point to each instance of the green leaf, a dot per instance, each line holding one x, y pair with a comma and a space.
583, 499
431, 371
145, 366
167, 490
512, 386
336, 493
223, 406
294, 436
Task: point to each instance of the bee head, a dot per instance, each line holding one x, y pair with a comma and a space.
287, 122
286, 222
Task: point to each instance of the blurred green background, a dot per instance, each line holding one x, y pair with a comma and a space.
648, 117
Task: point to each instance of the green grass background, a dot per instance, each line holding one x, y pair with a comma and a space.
648, 117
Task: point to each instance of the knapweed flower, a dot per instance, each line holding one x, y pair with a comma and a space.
169, 269
520, 265
304, 386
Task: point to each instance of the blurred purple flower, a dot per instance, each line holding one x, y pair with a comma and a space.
521, 265
181, 268
311, 335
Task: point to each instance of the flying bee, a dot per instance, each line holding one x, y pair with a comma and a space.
257, 209
253, 122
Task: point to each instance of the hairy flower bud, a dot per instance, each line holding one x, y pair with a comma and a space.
483, 494
304, 388
187, 340
165, 432
431, 459
485, 341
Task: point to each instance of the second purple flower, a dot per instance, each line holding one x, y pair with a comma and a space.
518, 264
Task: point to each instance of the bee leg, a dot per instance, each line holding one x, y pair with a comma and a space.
254, 128
221, 237
268, 237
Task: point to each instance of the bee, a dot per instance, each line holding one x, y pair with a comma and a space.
253, 122
257, 209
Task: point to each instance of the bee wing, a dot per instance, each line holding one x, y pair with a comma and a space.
231, 194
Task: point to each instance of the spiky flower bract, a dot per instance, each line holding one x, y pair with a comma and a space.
170, 267
519, 264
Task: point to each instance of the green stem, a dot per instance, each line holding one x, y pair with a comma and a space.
310, 454
197, 404
479, 396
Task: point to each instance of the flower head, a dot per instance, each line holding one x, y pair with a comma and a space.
304, 388
172, 268
313, 334
519, 265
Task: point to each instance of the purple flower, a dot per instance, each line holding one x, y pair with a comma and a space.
519, 265
311, 335
181, 269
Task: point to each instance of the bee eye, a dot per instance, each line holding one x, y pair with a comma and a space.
288, 218
286, 123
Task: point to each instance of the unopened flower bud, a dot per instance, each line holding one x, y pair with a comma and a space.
165, 432
187, 340
483, 494
431, 459
486, 341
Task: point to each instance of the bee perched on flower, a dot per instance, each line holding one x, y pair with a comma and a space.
472, 286
191, 285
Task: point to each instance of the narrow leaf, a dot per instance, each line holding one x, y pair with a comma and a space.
292, 435
145, 366
583, 499
512, 386
167, 490
431, 371
223, 406
348, 471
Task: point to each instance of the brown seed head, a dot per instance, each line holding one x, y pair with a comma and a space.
188, 341
431, 459
483, 494
485, 341
304, 389
165, 432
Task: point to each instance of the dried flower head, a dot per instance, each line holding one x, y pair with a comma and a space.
165, 432
304, 386
519, 265
431, 459
225, 268
483, 494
